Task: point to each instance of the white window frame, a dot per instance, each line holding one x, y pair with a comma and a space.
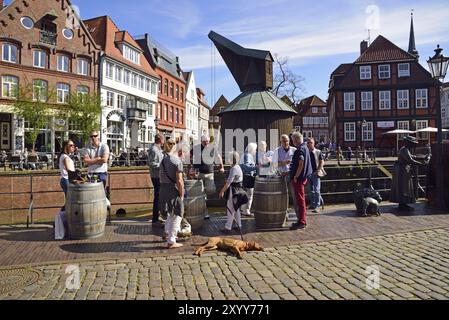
141, 83
386, 73
349, 101
82, 67
365, 72
403, 73
349, 131
10, 85
118, 74
421, 124
127, 77
62, 92
7, 53
131, 54
121, 101
366, 98
82, 90
403, 125
314, 110
41, 88
63, 63
134, 79
110, 98
384, 103
421, 101
153, 87
403, 99
40, 59
368, 131
109, 70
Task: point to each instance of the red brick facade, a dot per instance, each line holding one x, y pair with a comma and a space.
370, 97
312, 119
49, 18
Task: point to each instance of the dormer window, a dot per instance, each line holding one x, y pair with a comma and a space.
131, 54
384, 71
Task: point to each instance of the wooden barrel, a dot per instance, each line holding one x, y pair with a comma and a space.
86, 210
270, 202
194, 203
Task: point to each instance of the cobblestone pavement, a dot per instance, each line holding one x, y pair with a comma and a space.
412, 265
21, 246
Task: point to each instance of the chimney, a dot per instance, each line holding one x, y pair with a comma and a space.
363, 46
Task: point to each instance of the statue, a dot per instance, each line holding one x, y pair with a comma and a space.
402, 187
367, 202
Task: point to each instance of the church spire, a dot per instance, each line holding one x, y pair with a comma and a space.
411, 43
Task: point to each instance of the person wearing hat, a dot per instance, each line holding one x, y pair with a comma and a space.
402, 189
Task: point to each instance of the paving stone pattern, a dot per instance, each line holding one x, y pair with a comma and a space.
412, 265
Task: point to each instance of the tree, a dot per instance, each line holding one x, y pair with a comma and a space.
32, 105
85, 110
286, 82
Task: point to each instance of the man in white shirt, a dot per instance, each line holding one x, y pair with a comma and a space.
96, 158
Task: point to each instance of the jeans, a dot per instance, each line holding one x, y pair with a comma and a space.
64, 183
156, 186
315, 186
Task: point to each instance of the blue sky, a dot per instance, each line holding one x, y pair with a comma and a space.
317, 36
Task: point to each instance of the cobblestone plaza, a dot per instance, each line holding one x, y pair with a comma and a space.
333, 259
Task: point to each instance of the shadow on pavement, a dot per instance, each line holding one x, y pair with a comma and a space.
102, 247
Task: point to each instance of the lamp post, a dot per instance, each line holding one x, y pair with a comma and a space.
438, 67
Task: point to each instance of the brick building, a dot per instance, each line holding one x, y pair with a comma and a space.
128, 88
312, 118
386, 88
171, 109
43, 44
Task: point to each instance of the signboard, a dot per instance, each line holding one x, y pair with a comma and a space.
60, 122
385, 124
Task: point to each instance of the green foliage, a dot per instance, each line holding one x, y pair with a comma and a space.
85, 111
36, 112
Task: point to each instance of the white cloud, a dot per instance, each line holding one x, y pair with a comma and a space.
306, 37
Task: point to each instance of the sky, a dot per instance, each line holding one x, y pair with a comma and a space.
316, 36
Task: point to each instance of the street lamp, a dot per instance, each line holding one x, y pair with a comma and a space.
438, 67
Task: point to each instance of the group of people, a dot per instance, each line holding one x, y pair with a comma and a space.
298, 164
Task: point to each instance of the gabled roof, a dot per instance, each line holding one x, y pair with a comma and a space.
258, 101
309, 102
383, 49
159, 56
342, 69
53, 12
108, 36
221, 102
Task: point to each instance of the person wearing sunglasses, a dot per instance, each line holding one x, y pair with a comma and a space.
66, 164
97, 157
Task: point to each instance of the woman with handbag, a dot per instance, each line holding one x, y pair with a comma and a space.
171, 196
249, 168
234, 193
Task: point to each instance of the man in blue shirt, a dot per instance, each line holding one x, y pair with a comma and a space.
300, 169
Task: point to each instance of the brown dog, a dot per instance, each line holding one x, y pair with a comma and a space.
233, 245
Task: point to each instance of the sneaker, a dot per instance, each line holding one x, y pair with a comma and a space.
248, 214
316, 210
174, 245
207, 216
297, 225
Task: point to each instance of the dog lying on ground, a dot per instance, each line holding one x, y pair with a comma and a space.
235, 246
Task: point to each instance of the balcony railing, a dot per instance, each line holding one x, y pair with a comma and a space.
48, 37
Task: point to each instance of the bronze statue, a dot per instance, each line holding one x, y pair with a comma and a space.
402, 188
